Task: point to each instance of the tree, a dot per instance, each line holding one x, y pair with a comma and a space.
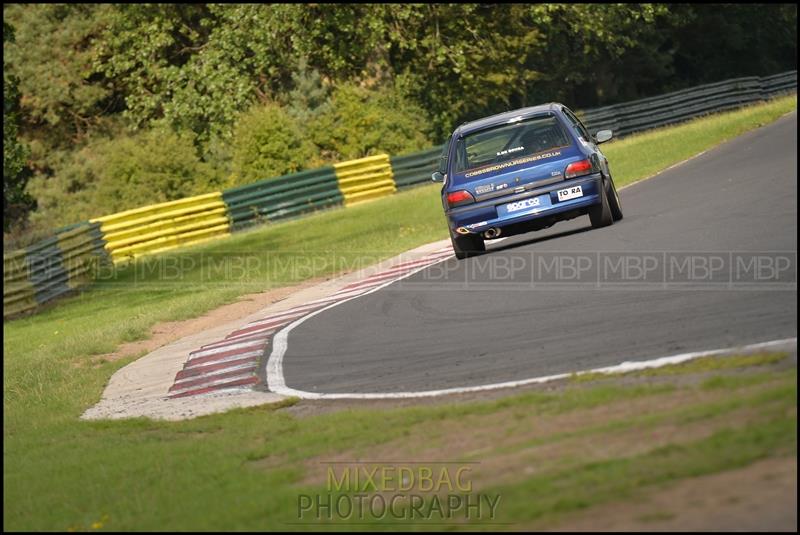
309, 95
269, 142
354, 79
17, 203
63, 97
463, 61
715, 42
359, 122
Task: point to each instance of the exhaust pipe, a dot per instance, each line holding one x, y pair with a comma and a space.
492, 233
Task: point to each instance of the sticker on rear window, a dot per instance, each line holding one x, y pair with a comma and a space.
509, 151
513, 162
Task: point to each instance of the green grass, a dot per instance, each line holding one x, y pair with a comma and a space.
555, 494
208, 473
698, 365
62, 473
782, 390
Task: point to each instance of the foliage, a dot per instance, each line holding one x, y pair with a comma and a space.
16, 201
52, 55
158, 165
462, 61
309, 95
597, 54
358, 122
269, 142
111, 175
738, 40
88, 71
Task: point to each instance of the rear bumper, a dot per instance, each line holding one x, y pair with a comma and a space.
478, 217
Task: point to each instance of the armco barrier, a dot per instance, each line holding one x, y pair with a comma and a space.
416, 168
19, 294
160, 227
82, 248
365, 178
282, 197
51, 268
678, 106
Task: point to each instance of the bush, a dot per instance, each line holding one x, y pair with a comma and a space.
155, 166
112, 175
66, 196
269, 142
359, 122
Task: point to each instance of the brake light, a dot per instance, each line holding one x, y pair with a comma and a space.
458, 198
583, 167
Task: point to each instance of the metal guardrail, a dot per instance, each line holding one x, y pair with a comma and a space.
635, 116
678, 106
161, 227
51, 268
282, 197
415, 168
365, 179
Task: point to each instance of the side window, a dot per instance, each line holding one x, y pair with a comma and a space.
578, 124
443, 158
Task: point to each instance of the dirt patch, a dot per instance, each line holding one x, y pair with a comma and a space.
169, 331
759, 497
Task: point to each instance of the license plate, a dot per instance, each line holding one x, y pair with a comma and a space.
570, 193
524, 204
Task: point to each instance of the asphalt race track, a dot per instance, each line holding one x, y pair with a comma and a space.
705, 258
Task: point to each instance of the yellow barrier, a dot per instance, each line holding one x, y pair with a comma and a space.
161, 227
365, 179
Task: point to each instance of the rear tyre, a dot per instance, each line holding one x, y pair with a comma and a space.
613, 201
468, 245
600, 214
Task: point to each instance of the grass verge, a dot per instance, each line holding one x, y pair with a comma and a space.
548, 454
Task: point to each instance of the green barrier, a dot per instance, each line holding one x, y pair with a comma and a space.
282, 197
416, 168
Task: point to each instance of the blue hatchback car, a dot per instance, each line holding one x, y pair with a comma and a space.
520, 171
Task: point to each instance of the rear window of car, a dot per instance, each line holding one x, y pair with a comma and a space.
507, 142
